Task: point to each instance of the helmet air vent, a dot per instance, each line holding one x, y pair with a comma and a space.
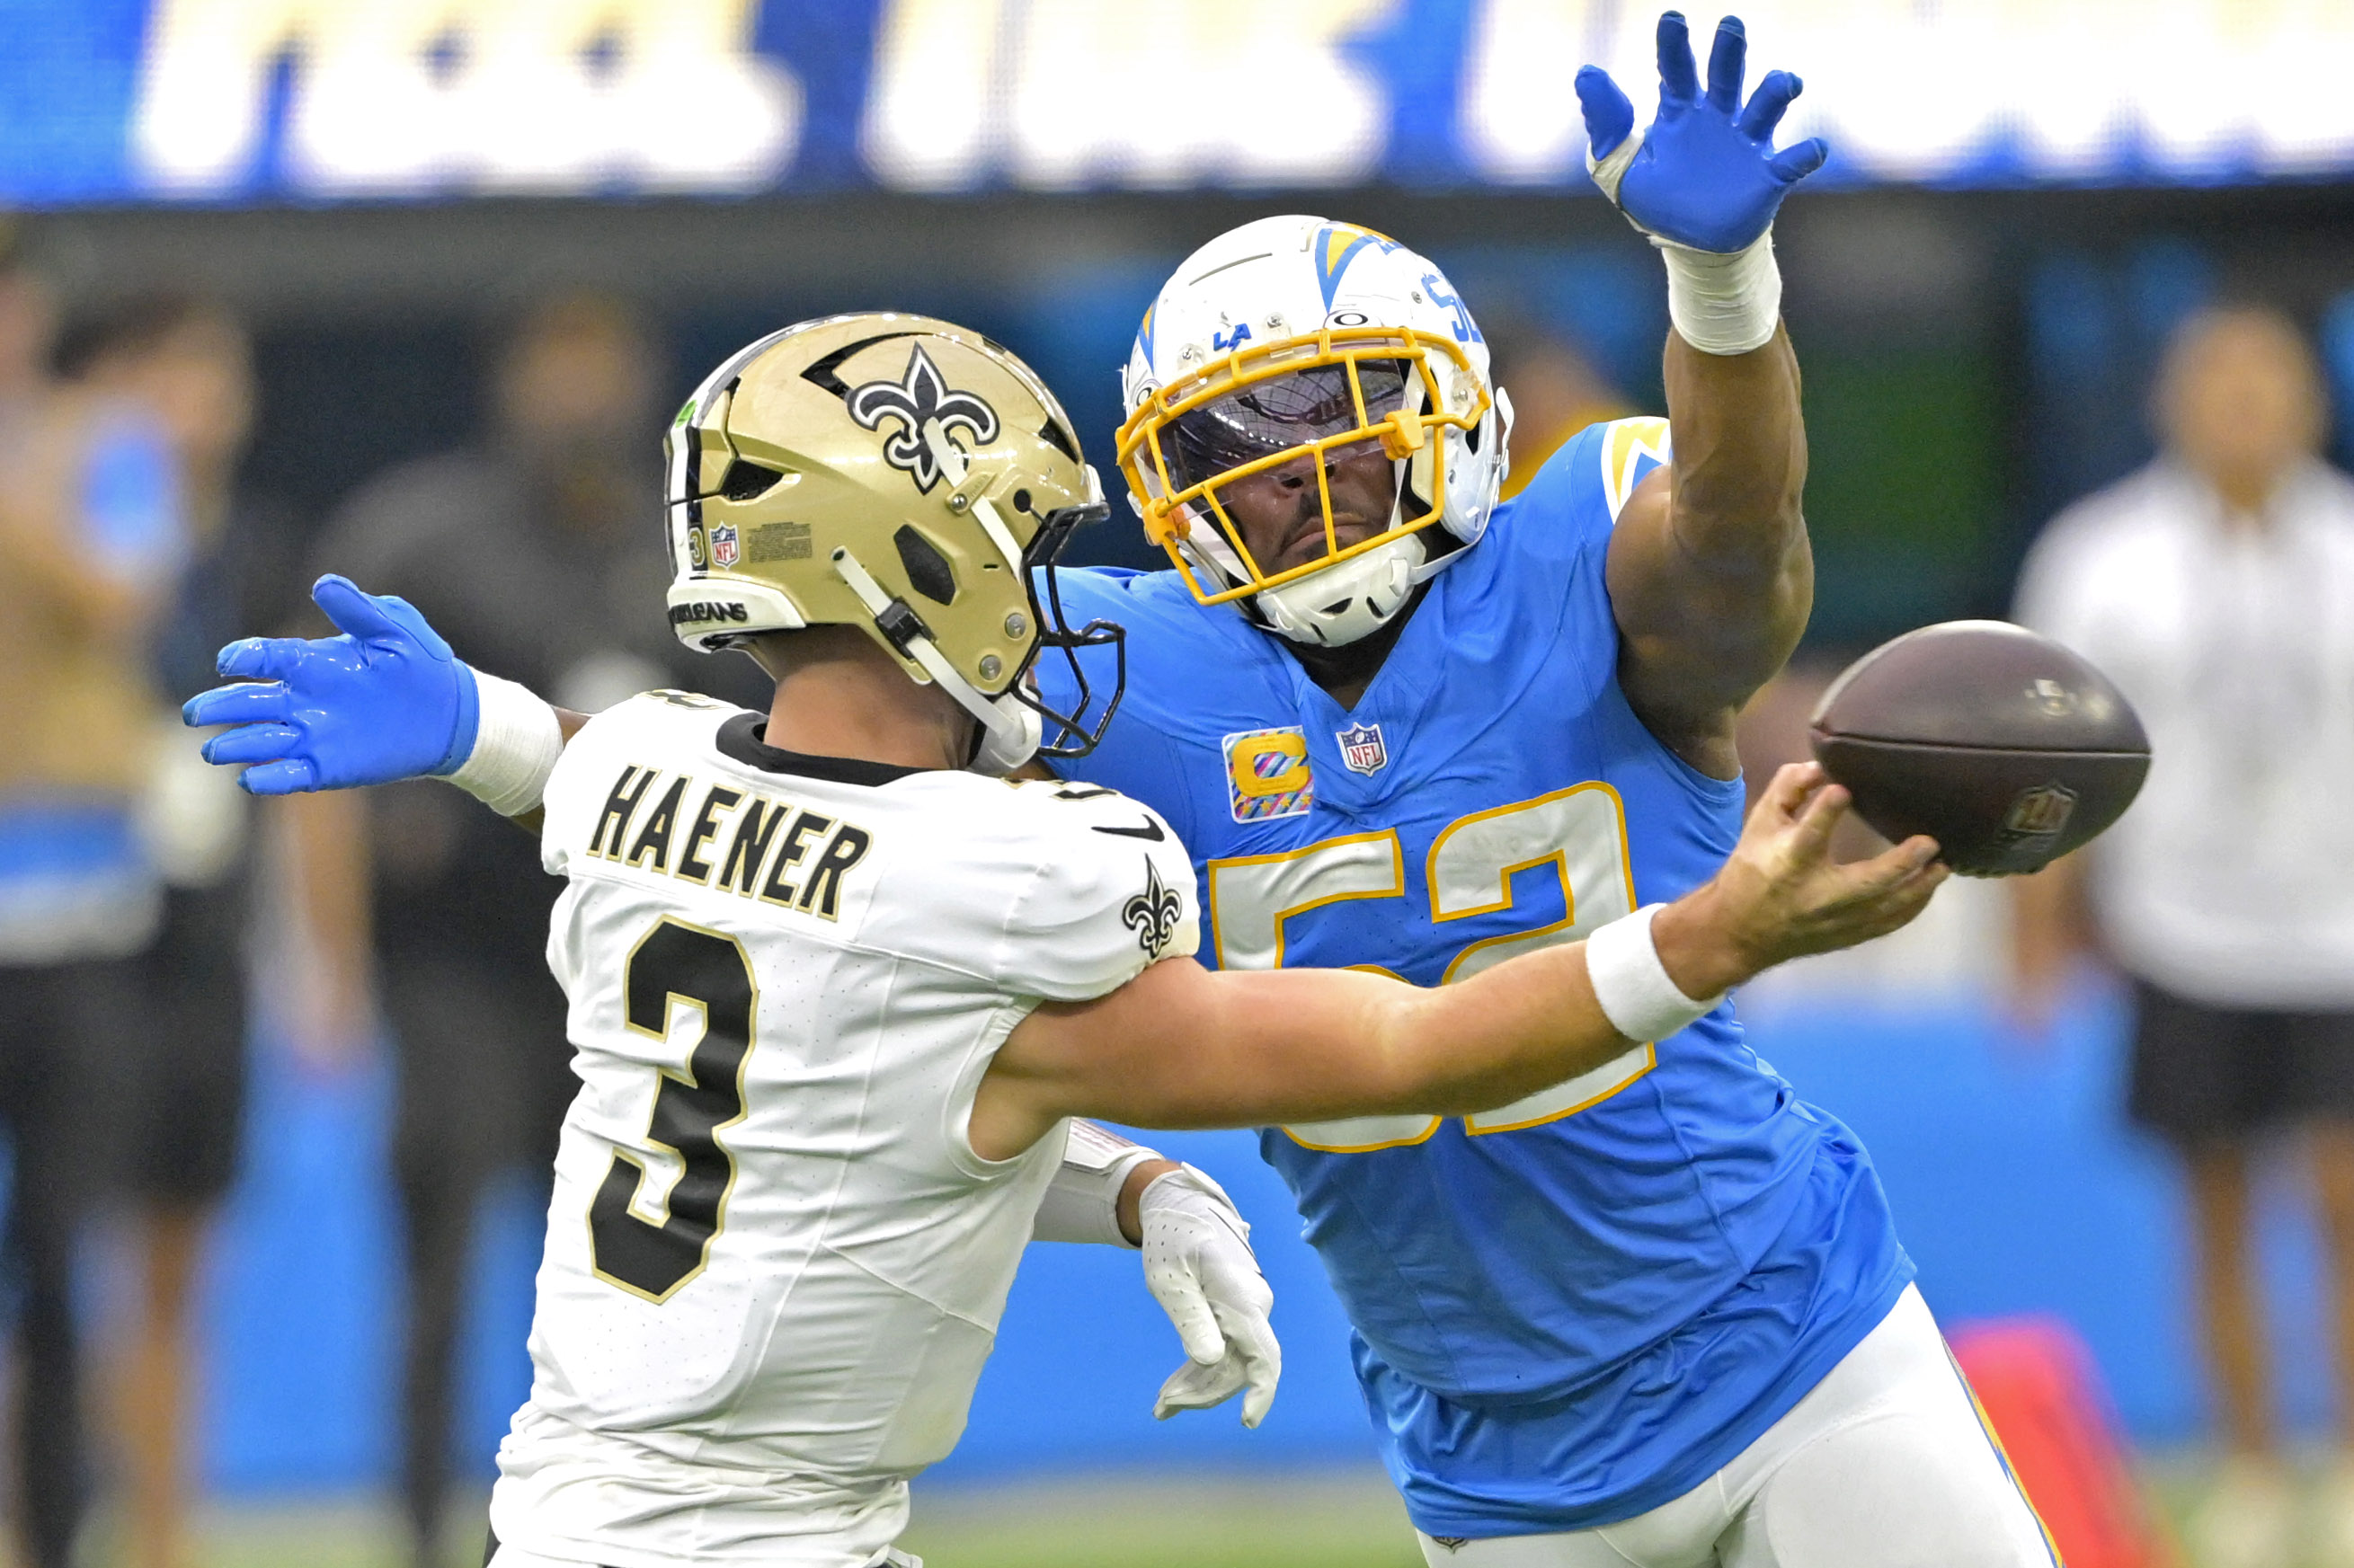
747, 481
929, 572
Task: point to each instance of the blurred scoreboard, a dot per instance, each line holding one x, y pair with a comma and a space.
243, 101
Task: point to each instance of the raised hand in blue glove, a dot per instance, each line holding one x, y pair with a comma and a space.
1705, 175
386, 700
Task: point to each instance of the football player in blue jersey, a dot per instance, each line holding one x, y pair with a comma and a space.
1658, 1315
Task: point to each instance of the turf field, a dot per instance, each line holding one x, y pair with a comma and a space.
1312, 1520
1315, 1520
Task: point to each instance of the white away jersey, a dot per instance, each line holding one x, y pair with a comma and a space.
774, 1265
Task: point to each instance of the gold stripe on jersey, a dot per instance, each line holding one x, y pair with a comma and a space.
762, 839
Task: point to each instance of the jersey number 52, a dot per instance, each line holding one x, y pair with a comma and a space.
1580, 831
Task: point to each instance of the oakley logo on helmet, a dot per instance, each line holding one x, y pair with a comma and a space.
704, 610
919, 400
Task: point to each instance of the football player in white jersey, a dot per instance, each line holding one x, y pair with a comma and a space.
838, 988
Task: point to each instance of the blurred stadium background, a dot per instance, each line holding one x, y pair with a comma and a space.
2023, 199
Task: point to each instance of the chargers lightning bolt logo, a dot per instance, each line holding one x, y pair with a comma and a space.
919, 400
1335, 246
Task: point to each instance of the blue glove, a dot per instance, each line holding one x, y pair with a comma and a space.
386, 700
1705, 174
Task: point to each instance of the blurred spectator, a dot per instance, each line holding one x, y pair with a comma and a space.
537, 554
90, 537
2217, 586
179, 1088
1555, 392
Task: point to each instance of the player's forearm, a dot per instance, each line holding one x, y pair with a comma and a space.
1740, 446
1183, 1048
1539, 1019
1497, 1037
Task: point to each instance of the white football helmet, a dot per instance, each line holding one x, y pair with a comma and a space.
1296, 337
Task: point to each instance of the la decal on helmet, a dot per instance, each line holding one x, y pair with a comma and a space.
905, 476
1278, 352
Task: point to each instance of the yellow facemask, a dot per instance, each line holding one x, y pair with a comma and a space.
1340, 387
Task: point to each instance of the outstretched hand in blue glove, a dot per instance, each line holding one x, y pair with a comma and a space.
1705, 175
385, 701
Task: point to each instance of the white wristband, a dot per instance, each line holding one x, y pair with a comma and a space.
1724, 302
1632, 985
516, 743
1081, 1202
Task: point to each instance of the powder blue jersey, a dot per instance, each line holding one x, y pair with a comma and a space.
1573, 1308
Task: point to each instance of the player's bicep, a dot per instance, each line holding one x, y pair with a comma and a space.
1639, 566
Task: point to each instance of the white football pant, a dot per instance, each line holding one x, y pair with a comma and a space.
1884, 1464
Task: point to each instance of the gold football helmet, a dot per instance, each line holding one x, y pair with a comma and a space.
901, 474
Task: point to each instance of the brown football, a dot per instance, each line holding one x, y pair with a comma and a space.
2001, 745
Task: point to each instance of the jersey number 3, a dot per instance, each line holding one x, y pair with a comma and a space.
1580, 833
678, 965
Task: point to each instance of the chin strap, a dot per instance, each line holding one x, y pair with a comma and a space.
1004, 733
1382, 576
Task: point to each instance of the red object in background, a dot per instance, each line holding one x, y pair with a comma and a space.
2039, 1389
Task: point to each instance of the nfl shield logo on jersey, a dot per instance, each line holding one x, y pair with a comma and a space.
1362, 750
722, 543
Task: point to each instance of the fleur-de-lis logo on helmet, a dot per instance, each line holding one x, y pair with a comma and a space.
1153, 914
922, 403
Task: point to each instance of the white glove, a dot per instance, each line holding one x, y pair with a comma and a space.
1199, 1266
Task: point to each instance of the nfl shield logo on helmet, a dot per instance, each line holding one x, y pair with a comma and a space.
1362, 750
723, 544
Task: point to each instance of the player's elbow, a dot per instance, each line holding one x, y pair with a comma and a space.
1744, 539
